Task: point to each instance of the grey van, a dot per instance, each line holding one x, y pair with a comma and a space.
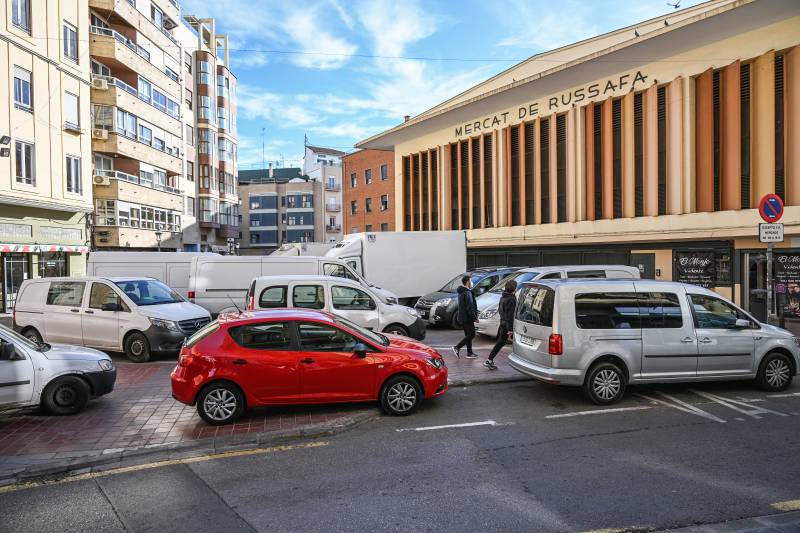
605, 334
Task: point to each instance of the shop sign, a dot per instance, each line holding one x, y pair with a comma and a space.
15, 231
37, 248
787, 277
770, 232
697, 268
50, 233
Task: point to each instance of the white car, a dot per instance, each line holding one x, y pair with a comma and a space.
140, 316
338, 296
59, 378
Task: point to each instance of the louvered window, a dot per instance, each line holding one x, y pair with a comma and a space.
530, 199
616, 160
454, 186
638, 155
406, 194
598, 161
717, 134
780, 170
416, 179
425, 196
487, 180
662, 150
475, 158
464, 184
561, 168
514, 140
744, 86
434, 190
544, 161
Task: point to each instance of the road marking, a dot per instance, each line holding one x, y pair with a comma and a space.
740, 407
449, 426
680, 405
159, 464
791, 505
599, 412
789, 395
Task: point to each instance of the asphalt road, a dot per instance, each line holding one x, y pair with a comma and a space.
532, 460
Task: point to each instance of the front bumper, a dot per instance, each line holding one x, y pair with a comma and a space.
488, 326
437, 315
101, 382
164, 341
556, 376
436, 385
418, 329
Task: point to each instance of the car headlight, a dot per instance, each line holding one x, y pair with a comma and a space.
444, 302
106, 364
488, 312
164, 324
435, 362
411, 311
391, 300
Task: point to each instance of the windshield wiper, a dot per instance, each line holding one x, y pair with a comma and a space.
43, 346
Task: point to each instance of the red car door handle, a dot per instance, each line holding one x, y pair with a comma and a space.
239, 362
307, 361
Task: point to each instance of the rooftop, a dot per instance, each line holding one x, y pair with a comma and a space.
279, 175
326, 151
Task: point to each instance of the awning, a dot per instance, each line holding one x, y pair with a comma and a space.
38, 248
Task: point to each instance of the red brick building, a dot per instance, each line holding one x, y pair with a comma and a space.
368, 197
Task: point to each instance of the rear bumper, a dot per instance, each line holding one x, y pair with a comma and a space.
182, 388
102, 382
556, 376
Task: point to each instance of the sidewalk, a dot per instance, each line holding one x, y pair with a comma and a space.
777, 523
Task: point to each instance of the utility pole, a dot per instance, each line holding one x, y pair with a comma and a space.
263, 151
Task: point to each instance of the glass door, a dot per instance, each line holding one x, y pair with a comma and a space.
755, 289
16, 269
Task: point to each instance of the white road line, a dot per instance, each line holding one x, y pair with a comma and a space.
600, 411
465, 425
740, 407
789, 395
680, 405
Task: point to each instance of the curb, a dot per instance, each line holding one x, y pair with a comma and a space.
101, 461
469, 382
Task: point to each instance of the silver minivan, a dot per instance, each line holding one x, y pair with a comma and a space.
605, 334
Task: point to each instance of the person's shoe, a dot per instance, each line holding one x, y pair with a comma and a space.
457, 352
472, 355
490, 364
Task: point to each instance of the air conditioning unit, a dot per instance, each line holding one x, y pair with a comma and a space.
100, 83
98, 133
101, 180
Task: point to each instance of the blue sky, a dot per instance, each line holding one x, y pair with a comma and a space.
320, 87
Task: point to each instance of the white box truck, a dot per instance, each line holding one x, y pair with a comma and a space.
303, 248
407, 263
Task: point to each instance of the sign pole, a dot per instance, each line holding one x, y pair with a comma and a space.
770, 296
771, 210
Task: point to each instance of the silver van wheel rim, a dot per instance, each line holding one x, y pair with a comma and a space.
137, 347
606, 384
402, 397
219, 404
396, 331
777, 373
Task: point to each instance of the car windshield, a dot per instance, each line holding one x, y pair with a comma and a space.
519, 277
455, 283
377, 338
148, 292
16, 338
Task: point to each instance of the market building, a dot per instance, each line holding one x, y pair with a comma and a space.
650, 145
368, 191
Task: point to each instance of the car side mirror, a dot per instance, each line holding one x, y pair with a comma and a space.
742, 323
7, 351
111, 306
360, 350
372, 304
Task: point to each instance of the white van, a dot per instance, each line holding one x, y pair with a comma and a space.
339, 296
140, 316
220, 283
171, 268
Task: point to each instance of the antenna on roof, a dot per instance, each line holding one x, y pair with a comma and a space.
234, 304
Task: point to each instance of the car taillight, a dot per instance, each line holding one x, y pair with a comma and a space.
556, 344
185, 359
191, 296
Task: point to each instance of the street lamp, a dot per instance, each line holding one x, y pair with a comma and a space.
158, 240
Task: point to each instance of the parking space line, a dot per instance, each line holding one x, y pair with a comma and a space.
680, 405
791, 505
449, 426
600, 411
740, 407
788, 395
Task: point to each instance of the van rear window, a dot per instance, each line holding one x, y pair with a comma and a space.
536, 306
607, 310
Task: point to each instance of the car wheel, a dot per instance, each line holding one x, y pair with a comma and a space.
66, 395
604, 384
137, 348
401, 396
32, 335
220, 403
396, 329
775, 373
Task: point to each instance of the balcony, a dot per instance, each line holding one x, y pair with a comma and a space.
333, 187
107, 90
333, 228
333, 208
141, 22
138, 180
111, 142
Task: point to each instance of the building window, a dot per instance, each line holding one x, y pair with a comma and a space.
780, 105
368, 227
190, 171
464, 169
189, 98
205, 110
384, 226
145, 135
354, 229
353, 207
189, 135
207, 141
222, 116
172, 74
638, 155
157, 16
384, 202
384, 172
368, 205
26, 165
71, 110
616, 157
21, 14
662, 152
74, 182
204, 72
159, 144
126, 124
187, 61
515, 192
70, 42
597, 130
528, 175
368, 176
353, 180
544, 170
744, 142
23, 95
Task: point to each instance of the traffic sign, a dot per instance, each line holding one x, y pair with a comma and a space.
770, 232
771, 208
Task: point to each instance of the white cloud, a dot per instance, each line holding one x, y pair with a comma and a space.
318, 48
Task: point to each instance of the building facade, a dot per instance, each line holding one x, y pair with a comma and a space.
45, 132
163, 136
368, 194
325, 165
279, 206
650, 145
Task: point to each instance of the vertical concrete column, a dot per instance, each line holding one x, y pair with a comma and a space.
482, 177
730, 137
580, 164
704, 141
507, 175
588, 130
496, 180
763, 127
689, 205
628, 171
675, 146
570, 122
553, 170
429, 182
607, 134
459, 178
521, 174
469, 192
537, 173
791, 76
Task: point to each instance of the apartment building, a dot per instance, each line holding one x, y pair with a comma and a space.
325, 165
45, 136
163, 176
368, 191
279, 205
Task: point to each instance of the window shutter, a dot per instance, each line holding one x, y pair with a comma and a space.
638, 152
544, 161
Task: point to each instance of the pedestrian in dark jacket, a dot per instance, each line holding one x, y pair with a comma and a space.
506, 307
468, 315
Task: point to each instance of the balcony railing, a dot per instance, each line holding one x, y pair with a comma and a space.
116, 82
333, 227
333, 208
144, 182
142, 52
332, 187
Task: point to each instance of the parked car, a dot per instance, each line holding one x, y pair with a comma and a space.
603, 335
339, 296
300, 356
489, 320
60, 378
140, 316
439, 307
219, 283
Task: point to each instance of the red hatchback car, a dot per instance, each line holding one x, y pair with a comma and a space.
297, 356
